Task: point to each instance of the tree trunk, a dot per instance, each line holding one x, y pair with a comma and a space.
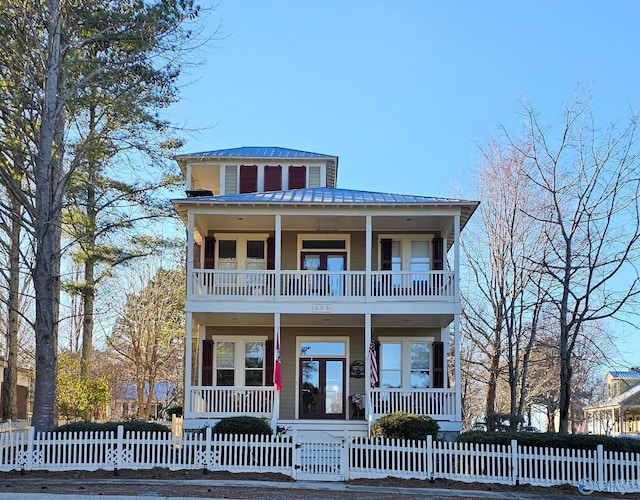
10, 383
47, 225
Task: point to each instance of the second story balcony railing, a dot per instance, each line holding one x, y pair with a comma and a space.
332, 285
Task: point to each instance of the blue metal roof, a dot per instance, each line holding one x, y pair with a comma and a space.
632, 374
162, 391
324, 196
257, 152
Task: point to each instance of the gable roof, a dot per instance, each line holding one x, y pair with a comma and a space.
256, 152
630, 397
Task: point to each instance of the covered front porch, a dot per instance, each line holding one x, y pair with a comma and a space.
326, 369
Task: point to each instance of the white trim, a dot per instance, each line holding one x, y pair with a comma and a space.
405, 360
241, 246
322, 236
319, 339
239, 368
405, 247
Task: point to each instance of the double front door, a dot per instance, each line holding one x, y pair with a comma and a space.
322, 382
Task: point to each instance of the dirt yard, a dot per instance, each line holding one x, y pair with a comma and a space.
162, 482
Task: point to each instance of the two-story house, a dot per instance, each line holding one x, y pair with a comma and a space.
620, 412
350, 297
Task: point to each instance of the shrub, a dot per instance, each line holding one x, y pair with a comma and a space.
131, 425
402, 425
242, 425
174, 410
553, 440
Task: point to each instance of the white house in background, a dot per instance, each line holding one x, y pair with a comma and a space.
275, 249
620, 413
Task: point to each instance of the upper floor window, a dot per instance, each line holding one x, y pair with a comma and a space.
236, 251
240, 179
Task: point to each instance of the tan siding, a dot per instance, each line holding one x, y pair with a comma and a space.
289, 250
358, 251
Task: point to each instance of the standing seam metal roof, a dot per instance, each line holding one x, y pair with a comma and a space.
257, 152
327, 195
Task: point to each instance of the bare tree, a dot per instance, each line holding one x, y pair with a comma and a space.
149, 330
588, 182
502, 308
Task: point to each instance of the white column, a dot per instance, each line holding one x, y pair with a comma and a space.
445, 337
188, 353
276, 396
278, 254
367, 370
190, 244
367, 265
456, 317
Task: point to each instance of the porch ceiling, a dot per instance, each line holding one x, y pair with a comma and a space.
247, 222
323, 320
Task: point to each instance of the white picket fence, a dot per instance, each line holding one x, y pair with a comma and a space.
335, 459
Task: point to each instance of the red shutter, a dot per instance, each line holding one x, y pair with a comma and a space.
438, 364
209, 252
438, 257
271, 253
207, 362
268, 358
272, 178
385, 255
297, 177
248, 179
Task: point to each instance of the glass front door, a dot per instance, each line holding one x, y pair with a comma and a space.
322, 388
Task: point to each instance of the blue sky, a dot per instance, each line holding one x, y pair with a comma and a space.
411, 87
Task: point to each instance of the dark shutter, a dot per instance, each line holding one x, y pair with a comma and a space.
272, 178
248, 179
209, 252
385, 255
297, 177
438, 364
207, 362
271, 253
268, 362
438, 257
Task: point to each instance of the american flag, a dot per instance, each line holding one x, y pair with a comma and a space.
277, 369
373, 363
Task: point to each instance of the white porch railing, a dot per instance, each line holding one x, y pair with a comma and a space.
219, 402
440, 404
332, 285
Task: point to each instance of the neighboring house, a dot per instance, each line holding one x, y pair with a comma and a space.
620, 413
289, 274
25, 379
124, 400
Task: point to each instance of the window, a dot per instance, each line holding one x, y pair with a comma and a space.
406, 253
239, 251
314, 177
225, 363
405, 363
231, 179
239, 362
227, 256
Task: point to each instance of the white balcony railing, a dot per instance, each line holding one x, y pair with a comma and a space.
439, 404
333, 285
208, 401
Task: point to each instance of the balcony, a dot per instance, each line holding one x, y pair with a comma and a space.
331, 285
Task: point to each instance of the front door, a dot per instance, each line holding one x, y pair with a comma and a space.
322, 388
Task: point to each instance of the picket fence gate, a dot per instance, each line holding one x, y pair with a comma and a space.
337, 459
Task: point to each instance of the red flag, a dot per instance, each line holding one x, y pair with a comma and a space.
277, 374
